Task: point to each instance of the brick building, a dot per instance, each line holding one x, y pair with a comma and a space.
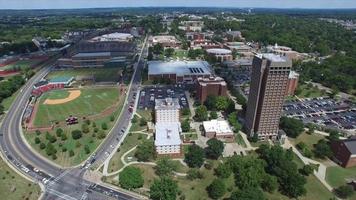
345, 152
210, 86
292, 84
218, 129
269, 80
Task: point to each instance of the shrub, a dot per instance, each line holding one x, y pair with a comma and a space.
64, 137
112, 118
42, 145
38, 132
85, 128
71, 153
37, 140
76, 134
194, 174
86, 149
344, 191
104, 126
101, 135
59, 132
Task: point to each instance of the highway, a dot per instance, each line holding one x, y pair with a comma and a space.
65, 183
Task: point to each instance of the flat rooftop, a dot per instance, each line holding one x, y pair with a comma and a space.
272, 57
167, 104
168, 134
179, 68
220, 127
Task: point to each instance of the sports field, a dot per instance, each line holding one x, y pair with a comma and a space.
110, 74
91, 101
21, 64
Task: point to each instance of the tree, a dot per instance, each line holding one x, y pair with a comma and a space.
185, 111
37, 140
221, 103
165, 188
86, 149
322, 149
104, 126
101, 135
85, 128
64, 137
169, 52
130, 178
165, 167
232, 119
194, 174
50, 150
292, 127
71, 153
201, 113
185, 126
42, 145
214, 149
213, 115
333, 135
307, 170
344, 191
223, 170
269, 183
145, 151
216, 189
76, 134
195, 156
143, 122
1, 109
248, 193
279, 163
59, 132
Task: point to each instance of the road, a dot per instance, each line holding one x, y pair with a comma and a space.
59, 183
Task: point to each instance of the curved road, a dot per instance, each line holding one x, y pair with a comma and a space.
69, 183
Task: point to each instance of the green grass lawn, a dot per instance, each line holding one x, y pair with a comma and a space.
109, 74
336, 175
309, 92
90, 139
180, 54
91, 101
147, 114
191, 136
15, 187
8, 101
129, 142
315, 190
309, 140
21, 64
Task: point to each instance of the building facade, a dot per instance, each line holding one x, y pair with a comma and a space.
269, 81
221, 55
215, 86
218, 129
292, 83
345, 152
167, 128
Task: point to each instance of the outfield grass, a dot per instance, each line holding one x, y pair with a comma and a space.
109, 74
336, 175
15, 187
129, 142
91, 101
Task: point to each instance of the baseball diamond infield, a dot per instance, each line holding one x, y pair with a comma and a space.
73, 94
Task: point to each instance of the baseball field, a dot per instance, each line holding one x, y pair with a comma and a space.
57, 105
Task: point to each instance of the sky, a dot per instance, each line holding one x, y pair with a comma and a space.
63, 4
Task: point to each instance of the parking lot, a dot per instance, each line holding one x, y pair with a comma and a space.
149, 94
323, 111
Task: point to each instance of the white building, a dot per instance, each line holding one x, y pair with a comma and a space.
114, 37
167, 141
218, 129
167, 134
167, 110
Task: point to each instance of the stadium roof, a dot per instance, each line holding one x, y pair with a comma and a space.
61, 79
78, 55
179, 68
168, 133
